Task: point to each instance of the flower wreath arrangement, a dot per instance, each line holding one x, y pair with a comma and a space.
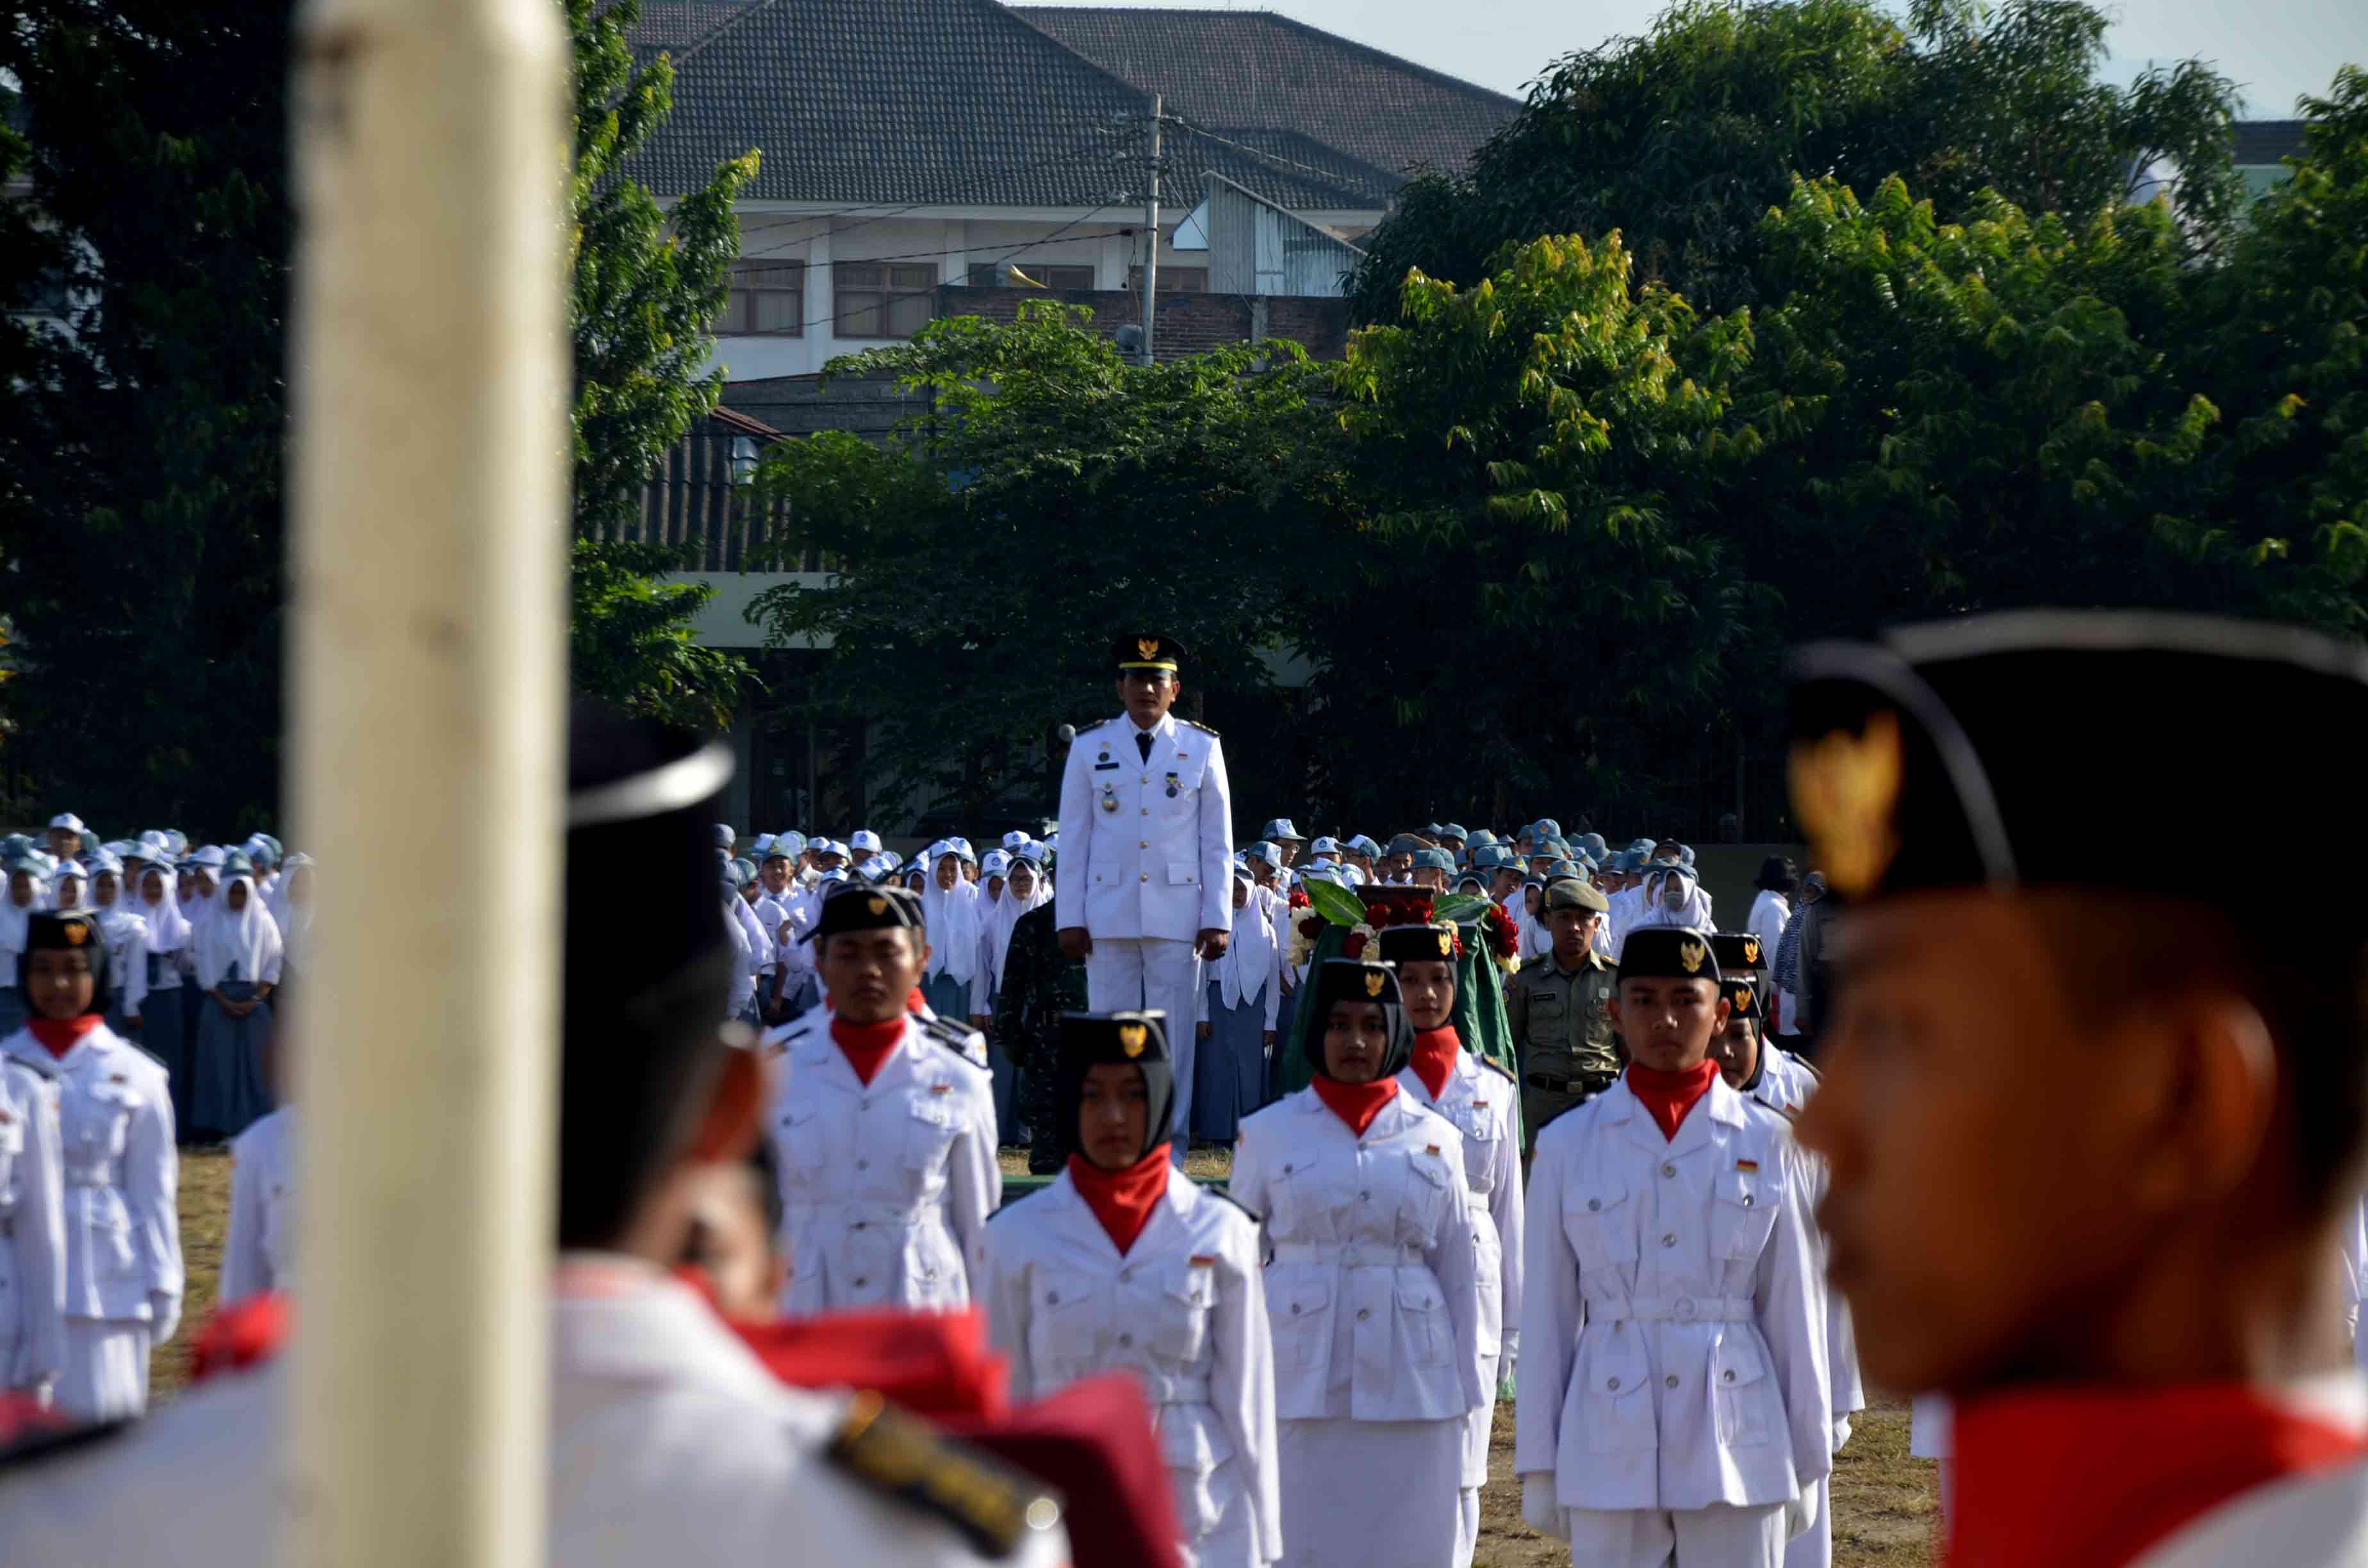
1319, 904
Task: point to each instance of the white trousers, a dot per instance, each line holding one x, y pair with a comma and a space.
1720, 1536
106, 1374
1125, 972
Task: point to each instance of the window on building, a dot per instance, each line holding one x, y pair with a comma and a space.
871, 298
1172, 281
1046, 274
767, 297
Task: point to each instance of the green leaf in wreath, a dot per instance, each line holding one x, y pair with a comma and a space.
1335, 903
1461, 908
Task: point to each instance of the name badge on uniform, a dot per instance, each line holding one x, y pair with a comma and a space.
1202, 1260
1110, 798
1747, 1166
1106, 766
1174, 789
942, 1088
1431, 1148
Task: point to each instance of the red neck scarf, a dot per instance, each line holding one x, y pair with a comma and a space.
1122, 1200
59, 1036
1669, 1095
1434, 1057
2044, 1477
1356, 1104
867, 1045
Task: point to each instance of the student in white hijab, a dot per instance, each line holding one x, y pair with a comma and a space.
27, 887
950, 906
127, 945
239, 958
741, 1003
1239, 999
1671, 897
167, 1017
291, 903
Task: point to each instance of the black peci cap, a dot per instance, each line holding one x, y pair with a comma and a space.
1148, 651
1742, 993
1739, 951
66, 930
857, 907
1659, 952
1433, 943
1136, 1040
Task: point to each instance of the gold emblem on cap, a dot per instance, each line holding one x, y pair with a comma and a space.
877, 905
1130, 1037
1374, 983
1147, 646
1846, 791
1751, 949
1446, 946
76, 934
1691, 955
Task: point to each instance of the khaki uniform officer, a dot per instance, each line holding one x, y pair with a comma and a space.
1560, 1010
1144, 886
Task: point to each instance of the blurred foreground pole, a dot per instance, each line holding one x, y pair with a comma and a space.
428, 660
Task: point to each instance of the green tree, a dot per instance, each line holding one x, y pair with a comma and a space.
1683, 137
1054, 497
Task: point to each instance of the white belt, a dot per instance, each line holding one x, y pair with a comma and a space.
91, 1175
1669, 1308
1164, 1387
1351, 1255
865, 1216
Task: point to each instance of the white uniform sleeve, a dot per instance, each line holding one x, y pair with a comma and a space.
40, 1245
1456, 1261
1273, 970
1069, 878
151, 1175
974, 1181
244, 1271
1788, 1298
135, 969
1247, 1184
1507, 1206
1241, 1386
1216, 843
1551, 1308
1001, 1287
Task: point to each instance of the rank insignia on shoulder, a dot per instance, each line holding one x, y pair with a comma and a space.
1747, 1166
994, 1508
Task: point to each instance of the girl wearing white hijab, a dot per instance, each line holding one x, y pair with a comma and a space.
166, 1017
26, 887
1238, 1001
127, 945
291, 903
1671, 897
239, 958
949, 907
1024, 887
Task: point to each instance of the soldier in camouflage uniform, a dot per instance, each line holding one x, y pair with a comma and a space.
1040, 984
1559, 1009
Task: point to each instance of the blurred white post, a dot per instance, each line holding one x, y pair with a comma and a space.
428, 656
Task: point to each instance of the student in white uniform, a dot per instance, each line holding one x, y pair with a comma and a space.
882, 1126
123, 1234
1756, 1068
258, 1246
1124, 1263
127, 945
27, 885
32, 1229
165, 1022
1372, 1289
1144, 880
670, 1441
1673, 1387
1480, 1098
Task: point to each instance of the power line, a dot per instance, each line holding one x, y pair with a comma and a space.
1330, 176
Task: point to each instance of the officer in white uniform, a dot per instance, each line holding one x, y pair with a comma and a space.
32, 1229
1181, 1306
123, 1229
1673, 1395
259, 1247
1143, 889
1754, 1067
670, 1441
882, 1126
1478, 1099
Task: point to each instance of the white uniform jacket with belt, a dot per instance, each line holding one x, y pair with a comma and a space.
1673, 1332
886, 1187
1787, 1085
1184, 1311
32, 1227
123, 1232
1146, 847
1479, 1100
669, 1443
258, 1250
1372, 1286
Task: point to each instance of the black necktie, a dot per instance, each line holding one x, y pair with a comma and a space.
1142, 743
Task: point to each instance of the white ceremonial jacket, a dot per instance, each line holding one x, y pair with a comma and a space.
1673, 1336
1146, 847
32, 1227
1372, 1285
1786, 1085
1184, 1311
885, 1187
123, 1231
259, 1249
669, 1444
1479, 1101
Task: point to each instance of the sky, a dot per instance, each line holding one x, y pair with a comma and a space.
2274, 50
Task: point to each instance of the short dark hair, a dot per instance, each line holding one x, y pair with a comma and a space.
2309, 985
1777, 875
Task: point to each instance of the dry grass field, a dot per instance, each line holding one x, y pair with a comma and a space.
1883, 1499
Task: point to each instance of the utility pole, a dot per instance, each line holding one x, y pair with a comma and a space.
428, 663
1151, 235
